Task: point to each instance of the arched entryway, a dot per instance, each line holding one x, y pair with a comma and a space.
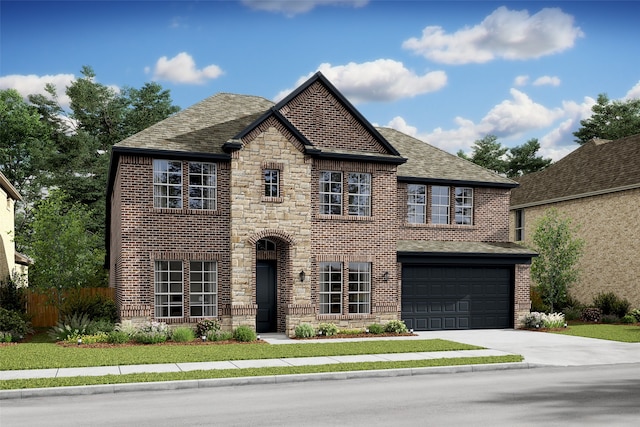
266, 286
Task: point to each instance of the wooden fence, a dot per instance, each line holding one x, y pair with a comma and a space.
45, 315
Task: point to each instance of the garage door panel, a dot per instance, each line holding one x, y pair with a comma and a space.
456, 297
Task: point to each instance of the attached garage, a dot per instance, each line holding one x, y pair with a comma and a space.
459, 285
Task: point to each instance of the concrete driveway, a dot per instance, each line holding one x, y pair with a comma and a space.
546, 349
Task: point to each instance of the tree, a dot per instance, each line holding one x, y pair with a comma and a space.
522, 159
488, 153
66, 255
610, 120
511, 162
554, 270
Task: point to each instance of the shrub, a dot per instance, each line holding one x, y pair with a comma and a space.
152, 333
354, 331
305, 330
610, 303
535, 320
13, 323
12, 297
609, 318
219, 335
207, 325
327, 329
395, 326
537, 305
628, 318
244, 333
89, 338
183, 334
72, 326
591, 314
118, 337
376, 328
5, 337
572, 313
96, 307
635, 313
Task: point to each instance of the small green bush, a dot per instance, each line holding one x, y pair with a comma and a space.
572, 313
610, 304
305, 330
89, 339
244, 333
118, 337
537, 304
219, 335
207, 325
395, 326
635, 313
327, 329
5, 337
12, 297
152, 333
376, 328
12, 322
609, 319
74, 325
96, 307
183, 334
591, 314
354, 331
628, 318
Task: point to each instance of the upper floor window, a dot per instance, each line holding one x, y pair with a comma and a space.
416, 204
271, 183
331, 193
440, 205
167, 184
519, 225
202, 185
464, 205
359, 194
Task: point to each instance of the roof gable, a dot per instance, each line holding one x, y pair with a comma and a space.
597, 167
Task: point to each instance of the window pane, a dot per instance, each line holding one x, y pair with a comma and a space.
330, 193
202, 185
330, 287
203, 288
359, 287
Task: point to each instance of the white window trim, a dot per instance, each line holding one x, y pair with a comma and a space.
414, 216
467, 203
329, 269
362, 271
270, 185
202, 294
202, 187
322, 194
169, 304
446, 205
161, 168
363, 193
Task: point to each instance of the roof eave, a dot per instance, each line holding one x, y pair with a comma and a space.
461, 182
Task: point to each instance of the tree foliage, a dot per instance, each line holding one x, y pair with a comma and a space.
610, 120
66, 255
554, 270
511, 162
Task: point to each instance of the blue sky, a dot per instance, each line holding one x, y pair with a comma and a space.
446, 72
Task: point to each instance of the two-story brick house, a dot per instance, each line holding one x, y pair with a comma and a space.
272, 215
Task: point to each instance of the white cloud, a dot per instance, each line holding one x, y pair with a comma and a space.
634, 92
34, 85
182, 69
547, 81
521, 80
380, 80
505, 34
294, 7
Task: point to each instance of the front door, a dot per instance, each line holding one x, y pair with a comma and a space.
266, 318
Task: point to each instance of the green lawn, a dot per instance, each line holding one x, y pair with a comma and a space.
622, 333
42, 355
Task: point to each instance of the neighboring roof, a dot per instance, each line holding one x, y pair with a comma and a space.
435, 165
9, 188
597, 167
432, 247
201, 128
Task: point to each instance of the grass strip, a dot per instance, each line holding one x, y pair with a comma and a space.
621, 333
249, 372
42, 356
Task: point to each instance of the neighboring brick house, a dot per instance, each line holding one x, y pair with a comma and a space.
12, 264
598, 187
272, 215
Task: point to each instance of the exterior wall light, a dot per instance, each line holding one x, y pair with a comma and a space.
385, 276
302, 275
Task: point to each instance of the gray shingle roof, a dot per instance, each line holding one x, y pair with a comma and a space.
428, 162
471, 248
203, 127
597, 167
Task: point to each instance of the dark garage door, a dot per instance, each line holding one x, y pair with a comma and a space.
450, 297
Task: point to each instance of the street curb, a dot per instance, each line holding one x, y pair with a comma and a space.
239, 381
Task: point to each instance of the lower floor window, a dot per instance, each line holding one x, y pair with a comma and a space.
203, 289
331, 287
168, 289
359, 287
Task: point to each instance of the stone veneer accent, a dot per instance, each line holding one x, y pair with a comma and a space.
610, 227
